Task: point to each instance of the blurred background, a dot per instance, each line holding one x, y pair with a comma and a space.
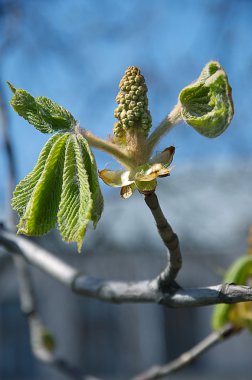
75, 52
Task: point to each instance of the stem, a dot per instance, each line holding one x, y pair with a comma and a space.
164, 127
136, 146
189, 356
114, 150
169, 239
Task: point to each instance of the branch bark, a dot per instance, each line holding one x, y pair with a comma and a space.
119, 291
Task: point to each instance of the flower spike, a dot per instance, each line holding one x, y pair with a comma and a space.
132, 111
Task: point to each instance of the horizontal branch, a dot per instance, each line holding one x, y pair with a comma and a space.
118, 291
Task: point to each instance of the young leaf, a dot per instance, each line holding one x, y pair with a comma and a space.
207, 104
91, 168
40, 213
24, 189
238, 273
62, 187
44, 114
75, 209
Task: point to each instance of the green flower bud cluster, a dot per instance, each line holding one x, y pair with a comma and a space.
132, 111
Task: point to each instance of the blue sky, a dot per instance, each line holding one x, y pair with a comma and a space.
75, 53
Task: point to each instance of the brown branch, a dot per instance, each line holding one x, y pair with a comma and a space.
188, 357
119, 291
169, 239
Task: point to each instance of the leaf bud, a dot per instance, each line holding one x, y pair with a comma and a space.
207, 104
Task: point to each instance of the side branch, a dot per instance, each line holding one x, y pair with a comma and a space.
42, 347
170, 240
118, 291
188, 357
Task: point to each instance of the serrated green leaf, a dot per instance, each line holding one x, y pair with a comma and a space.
24, 189
75, 209
44, 114
62, 187
207, 104
56, 115
238, 273
40, 215
91, 168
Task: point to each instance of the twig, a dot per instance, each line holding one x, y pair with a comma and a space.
187, 357
118, 291
170, 240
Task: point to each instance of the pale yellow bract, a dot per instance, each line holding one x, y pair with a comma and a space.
142, 177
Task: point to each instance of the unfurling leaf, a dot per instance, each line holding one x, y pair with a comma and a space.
207, 104
63, 187
41, 202
91, 168
75, 209
24, 189
240, 315
44, 114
